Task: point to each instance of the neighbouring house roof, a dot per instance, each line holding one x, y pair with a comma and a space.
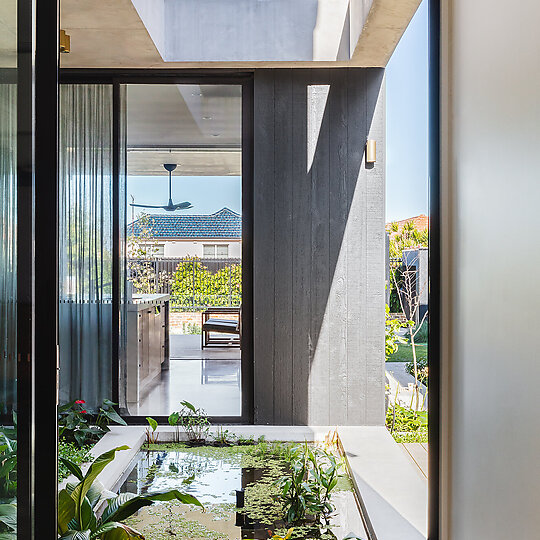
222, 224
421, 223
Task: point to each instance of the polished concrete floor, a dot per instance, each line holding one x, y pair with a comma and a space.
208, 378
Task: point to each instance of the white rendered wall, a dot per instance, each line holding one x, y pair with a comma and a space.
491, 231
191, 248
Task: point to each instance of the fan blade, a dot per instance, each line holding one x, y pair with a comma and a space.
145, 205
183, 205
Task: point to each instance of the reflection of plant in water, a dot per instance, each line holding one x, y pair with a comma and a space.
262, 465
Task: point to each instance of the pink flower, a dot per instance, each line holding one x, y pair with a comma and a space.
80, 401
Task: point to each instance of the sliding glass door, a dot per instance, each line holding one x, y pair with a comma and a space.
152, 274
184, 249
85, 243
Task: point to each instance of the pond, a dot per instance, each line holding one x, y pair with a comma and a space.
215, 475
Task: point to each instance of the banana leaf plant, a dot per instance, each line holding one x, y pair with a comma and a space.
79, 504
8, 521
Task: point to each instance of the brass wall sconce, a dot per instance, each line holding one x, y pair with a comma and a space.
65, 42
371, 151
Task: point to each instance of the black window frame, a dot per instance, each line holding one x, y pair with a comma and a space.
117, 78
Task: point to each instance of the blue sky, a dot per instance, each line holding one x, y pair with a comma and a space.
406, 132
407, 122
207, 194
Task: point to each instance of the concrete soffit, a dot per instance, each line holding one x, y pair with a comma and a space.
303, 33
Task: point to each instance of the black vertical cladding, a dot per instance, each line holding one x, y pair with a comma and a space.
25, 274
46, 268
247, 252
115, 318
434, 271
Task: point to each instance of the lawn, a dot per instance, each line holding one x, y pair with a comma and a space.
404, 353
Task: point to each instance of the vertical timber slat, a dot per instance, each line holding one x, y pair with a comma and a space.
339, 210
263, 247
301, 238
318, 148
283, 182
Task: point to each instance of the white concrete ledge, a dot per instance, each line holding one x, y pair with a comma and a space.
392, 491
132, 436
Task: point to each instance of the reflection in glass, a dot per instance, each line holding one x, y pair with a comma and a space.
184, 144
8, 256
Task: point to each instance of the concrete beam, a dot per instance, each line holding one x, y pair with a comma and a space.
241, 34
386, 22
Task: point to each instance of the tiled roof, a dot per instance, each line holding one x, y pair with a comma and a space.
222, 224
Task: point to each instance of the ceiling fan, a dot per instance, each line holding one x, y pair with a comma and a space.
171, 207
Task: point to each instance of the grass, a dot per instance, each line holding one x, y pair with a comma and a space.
420, 436
404, 353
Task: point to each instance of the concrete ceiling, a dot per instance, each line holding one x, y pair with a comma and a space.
325, 33
8, 33
199, 127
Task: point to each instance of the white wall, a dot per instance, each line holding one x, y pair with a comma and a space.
491, 257
194, 248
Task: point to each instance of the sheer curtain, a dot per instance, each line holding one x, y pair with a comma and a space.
85, 242
8, 245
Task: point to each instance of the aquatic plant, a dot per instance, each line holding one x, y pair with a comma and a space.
78, 505
194, 422
151, 436
306, 490
222, 437
173, 420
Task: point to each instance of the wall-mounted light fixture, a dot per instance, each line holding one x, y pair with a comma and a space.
371, 151
65, 42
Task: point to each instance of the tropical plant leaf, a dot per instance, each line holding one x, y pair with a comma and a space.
8, 516
76, 535
131, 506
97, 466
98, 493
66, 511
112, 415
153, 424
117, 531
73, 468
189, 406
173, 418
114, 504
88, 518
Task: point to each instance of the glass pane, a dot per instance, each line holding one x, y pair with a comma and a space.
184, 148
85, 243
8, 248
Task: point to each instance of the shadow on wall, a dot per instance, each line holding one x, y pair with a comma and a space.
319, 235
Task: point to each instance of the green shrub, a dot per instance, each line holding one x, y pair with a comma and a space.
74, 453
422, 334
404, 419
194, 285
191, 328
421, 366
